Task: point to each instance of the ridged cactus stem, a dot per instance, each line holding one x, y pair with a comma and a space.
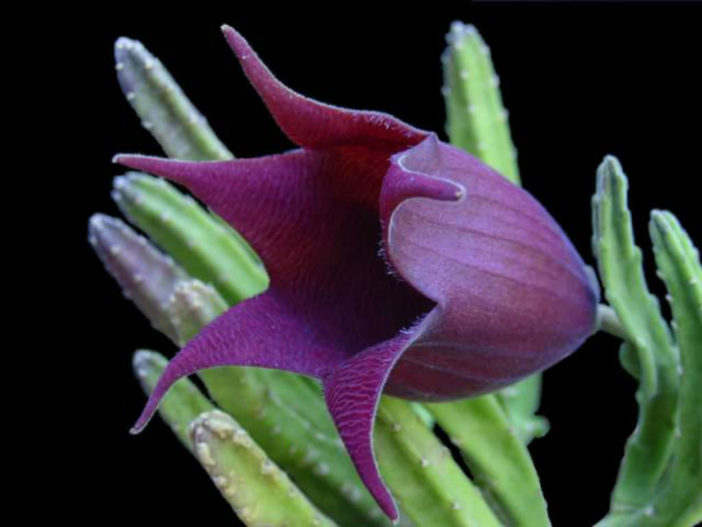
260, 493
146, 276
192, 306
427, 483
476, 117
650, 353
164, 109
679, 500
497, 457
202, 245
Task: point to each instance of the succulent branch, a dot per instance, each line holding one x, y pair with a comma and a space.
650, 353
164, 109
497, 457
476, 118
257, 489
205, 248
428, 484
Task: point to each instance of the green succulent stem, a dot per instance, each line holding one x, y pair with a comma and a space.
260, 493
145, 275
497, 457
165, 111
678, 502
429, 486
476, 117
650, 354
205, 248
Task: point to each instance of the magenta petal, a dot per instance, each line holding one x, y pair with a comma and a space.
352, 391
314, 124
513, 295
265, 331
370, 227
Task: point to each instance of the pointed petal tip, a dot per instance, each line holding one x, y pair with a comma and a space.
143, 420
134, 431
235, 39
391, 511
134, 161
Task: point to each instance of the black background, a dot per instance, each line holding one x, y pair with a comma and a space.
580, 81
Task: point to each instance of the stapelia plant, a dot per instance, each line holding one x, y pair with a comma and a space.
398, 264
476, 286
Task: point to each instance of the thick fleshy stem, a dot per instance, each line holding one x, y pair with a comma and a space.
649, 353
145, 275
677, 497
679, 500
165, 111
429, 486
191, 307
205, 247
498, 458
260, 493
476, 117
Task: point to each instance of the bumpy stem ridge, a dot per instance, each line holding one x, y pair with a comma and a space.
164, 109
650, 353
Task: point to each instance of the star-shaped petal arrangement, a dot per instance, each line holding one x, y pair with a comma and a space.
398, 264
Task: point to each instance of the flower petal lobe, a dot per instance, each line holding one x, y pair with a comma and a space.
352, 391
265, 331
314, 124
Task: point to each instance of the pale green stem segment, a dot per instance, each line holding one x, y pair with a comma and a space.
182, 403
476, 117
260, 493
650, 353
191, 307
163, 108
429, 486
497, 457
195, 238
145, 275
679, 501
